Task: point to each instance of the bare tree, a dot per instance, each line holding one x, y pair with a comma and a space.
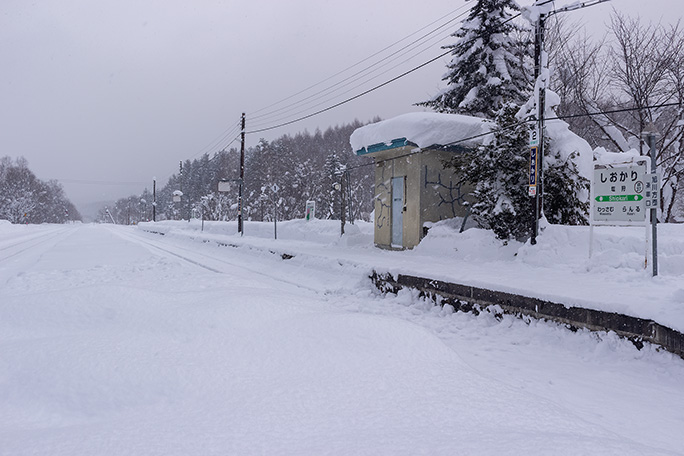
637, 68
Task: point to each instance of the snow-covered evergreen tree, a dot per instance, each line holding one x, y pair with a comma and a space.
498, 172
486, 69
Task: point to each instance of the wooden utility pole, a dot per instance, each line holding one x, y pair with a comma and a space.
242, 176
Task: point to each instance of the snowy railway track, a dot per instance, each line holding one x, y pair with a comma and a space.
15, 246
239, 262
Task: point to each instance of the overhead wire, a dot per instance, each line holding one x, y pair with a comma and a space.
350, 98
231, 131
339, 91
365, 59
366, 92
426, 38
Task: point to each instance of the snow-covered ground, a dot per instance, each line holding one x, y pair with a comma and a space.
116, 341
558, 268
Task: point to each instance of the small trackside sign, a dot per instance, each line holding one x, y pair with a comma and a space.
534, 164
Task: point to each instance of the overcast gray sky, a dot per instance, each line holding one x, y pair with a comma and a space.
97, 93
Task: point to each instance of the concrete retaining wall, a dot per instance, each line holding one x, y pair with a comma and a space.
468, 298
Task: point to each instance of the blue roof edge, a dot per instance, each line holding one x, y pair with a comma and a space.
379, 147
401, 142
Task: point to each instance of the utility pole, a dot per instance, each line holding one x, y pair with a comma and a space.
154, 199
180, 187
540, 78
242, 176
541, 75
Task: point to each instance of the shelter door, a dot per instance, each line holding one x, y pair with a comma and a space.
398, 211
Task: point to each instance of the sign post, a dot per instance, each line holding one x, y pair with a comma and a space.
622, 194
650, 135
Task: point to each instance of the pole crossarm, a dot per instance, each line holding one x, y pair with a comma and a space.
576, 6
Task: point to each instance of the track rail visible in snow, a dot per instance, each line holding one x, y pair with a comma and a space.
16, 246
215, 262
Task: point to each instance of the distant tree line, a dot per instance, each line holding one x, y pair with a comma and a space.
281, 176
26, 199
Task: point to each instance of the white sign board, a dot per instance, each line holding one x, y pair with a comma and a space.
652, 192
534, 137
619, 193
310, 213
224, 186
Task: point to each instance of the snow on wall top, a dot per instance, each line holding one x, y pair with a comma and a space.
423, 129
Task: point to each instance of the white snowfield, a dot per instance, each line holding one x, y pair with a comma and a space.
116, 341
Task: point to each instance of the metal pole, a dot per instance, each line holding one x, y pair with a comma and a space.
343, 203
350, 211
275, 217
242, 176
180, 187
654, 210
154, 199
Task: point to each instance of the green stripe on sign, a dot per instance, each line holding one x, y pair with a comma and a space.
618, 198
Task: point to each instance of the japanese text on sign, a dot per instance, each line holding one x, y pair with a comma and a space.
533, 170
620, 193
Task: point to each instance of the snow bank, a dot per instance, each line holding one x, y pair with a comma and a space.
558, 268
424, 129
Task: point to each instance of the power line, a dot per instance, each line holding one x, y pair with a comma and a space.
363, 72
366, 59
351, 98
368, 78
614, 111
259, 130
219, 139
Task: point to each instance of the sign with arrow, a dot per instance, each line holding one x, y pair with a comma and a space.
619, 193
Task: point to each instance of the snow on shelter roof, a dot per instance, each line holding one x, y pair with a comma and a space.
424, 129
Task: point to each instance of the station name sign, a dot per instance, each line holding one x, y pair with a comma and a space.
620, 192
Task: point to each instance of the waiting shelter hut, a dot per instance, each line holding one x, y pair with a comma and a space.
412, 187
